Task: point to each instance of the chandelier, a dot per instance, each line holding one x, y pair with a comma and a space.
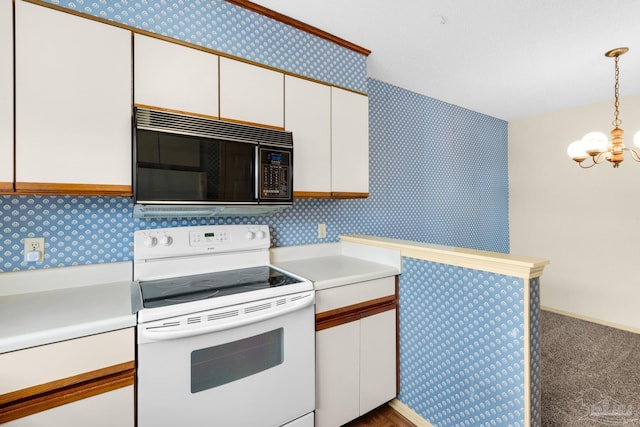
595, 146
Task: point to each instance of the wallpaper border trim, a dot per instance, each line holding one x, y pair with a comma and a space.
269, 13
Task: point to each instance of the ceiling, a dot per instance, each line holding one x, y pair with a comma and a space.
505, 58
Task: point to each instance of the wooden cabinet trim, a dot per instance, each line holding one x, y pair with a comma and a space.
46, 188
242, 122
351, 313
311, 195
328, 195
6, 188
39, 398
342, 195
300, 25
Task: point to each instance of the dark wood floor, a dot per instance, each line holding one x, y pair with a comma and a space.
383, 416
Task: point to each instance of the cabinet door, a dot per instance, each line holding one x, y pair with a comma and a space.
175, 77
307, 114
114, 408
251, 94
73, 99
349, 142
6, 96
377, 360
337, 374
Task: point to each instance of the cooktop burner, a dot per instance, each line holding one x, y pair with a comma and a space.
164, 292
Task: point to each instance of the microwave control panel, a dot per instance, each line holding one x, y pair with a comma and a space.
275, 174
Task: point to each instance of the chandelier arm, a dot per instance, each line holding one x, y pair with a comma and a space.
598, 158
634, 154
593, 163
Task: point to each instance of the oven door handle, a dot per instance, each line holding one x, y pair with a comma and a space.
188, 326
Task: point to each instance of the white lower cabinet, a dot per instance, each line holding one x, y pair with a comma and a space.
111, 409
337, 374
377, 360
86, 381
356, 359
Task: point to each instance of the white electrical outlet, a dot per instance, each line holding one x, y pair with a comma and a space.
322, 231
33, 249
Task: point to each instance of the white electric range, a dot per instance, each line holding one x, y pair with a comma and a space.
224, 338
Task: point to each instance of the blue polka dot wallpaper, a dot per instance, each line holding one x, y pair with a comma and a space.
461, 345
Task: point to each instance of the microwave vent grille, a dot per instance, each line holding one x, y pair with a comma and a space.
164, 121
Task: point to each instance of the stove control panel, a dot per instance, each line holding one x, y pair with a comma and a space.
184, 241
204, 238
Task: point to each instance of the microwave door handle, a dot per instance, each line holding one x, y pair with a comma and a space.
256, 194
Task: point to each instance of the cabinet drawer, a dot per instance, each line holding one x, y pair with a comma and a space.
115, 408
40, 365
347, 295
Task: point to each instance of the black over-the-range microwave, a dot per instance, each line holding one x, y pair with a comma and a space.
194, 166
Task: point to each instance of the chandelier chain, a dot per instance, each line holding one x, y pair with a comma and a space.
617, 122
595, 147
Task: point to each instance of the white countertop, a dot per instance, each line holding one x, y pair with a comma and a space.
43, 315
337, 264
330, 271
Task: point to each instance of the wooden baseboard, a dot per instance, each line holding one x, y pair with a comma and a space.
592, 319
409, 414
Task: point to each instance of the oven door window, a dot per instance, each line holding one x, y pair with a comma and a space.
215, 366
172, 167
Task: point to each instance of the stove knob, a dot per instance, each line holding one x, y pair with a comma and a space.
260, 235
150, 241
249, 235
165, 240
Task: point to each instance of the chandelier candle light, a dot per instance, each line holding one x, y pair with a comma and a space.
595, 145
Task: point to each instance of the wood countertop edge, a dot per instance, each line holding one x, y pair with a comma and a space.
494, 262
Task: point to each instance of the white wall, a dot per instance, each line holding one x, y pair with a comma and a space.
585, 221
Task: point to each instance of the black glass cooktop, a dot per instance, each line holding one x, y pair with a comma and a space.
176, 290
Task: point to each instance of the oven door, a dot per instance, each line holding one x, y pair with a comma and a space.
245, 374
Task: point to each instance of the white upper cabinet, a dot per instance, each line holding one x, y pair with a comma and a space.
251, 94
349, 142
331, 138
175, 77
73, 99
6, 96
308, 115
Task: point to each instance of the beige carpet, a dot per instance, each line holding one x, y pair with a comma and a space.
590, 374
